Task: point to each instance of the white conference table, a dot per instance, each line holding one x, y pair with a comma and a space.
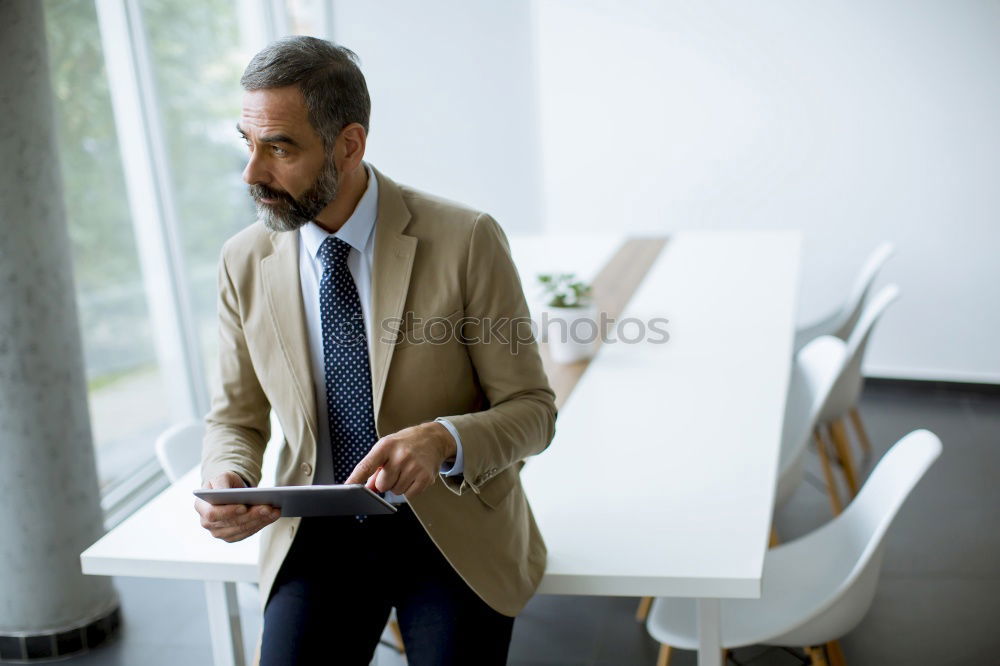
660, 480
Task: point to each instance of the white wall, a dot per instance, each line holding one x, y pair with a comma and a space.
454, 106
854, 121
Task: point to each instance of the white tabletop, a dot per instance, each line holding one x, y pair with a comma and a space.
164, 539
661, 477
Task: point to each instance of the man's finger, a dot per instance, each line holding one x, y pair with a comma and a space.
203, 507
256, 522
238, 535
220, 513
411, 490
379, 474
245, 517
386, 479
256, 513
404, 479
242, 531
413, 483
368, 465
370, 483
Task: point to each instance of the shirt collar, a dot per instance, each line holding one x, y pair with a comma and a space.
356, 230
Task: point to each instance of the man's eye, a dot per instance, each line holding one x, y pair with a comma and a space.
279, 151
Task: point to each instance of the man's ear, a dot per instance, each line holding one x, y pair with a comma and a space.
349, 148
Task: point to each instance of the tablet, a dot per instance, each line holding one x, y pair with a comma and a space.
339, 500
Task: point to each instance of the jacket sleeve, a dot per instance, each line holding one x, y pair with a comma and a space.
238, 424
520, 419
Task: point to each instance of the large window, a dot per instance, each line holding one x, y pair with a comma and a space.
128, 403
147, 96
197, 59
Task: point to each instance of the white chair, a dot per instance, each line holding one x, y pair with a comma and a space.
819, 587
841, 321
178, 448
843, 399
816, 368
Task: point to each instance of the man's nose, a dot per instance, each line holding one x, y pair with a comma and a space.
254, 172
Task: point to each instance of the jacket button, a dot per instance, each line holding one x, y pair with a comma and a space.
306, 469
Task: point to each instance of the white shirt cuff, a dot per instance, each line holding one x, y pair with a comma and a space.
458, 467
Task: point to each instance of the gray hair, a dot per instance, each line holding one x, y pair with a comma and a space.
333, 86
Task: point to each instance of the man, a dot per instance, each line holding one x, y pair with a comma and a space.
381, 324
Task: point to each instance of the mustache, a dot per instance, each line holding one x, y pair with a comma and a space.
258, 192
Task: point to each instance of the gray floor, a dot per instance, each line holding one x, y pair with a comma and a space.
938, 599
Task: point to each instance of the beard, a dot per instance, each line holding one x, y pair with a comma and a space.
289, 213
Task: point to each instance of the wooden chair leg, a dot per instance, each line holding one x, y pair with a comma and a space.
664, 658
397, 636
642, 612
774, 538
835, 653
831, 482
859, 430
839, 433
817, 655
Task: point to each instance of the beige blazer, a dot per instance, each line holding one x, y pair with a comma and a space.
435, 259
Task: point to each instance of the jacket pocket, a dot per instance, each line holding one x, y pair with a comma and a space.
435, 329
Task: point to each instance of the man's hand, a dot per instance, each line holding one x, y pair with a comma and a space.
406, 462
233, 522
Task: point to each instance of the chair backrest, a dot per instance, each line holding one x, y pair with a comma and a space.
852, 308
848, 550
816, 367
178, 449
847, 387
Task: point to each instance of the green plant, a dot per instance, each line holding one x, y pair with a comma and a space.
563, 290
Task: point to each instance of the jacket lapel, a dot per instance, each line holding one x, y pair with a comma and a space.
393, 261
280, 275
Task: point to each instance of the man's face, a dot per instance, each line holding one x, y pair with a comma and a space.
290, 173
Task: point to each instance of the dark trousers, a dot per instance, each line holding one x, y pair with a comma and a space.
333, 593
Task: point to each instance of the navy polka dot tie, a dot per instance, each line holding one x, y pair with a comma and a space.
345, 359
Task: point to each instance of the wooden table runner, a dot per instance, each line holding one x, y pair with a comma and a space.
611, 290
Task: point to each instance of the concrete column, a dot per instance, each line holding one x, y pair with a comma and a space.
51, 501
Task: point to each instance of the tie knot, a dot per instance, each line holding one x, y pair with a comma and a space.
333, 253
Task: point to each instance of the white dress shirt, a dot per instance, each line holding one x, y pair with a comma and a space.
358, 232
